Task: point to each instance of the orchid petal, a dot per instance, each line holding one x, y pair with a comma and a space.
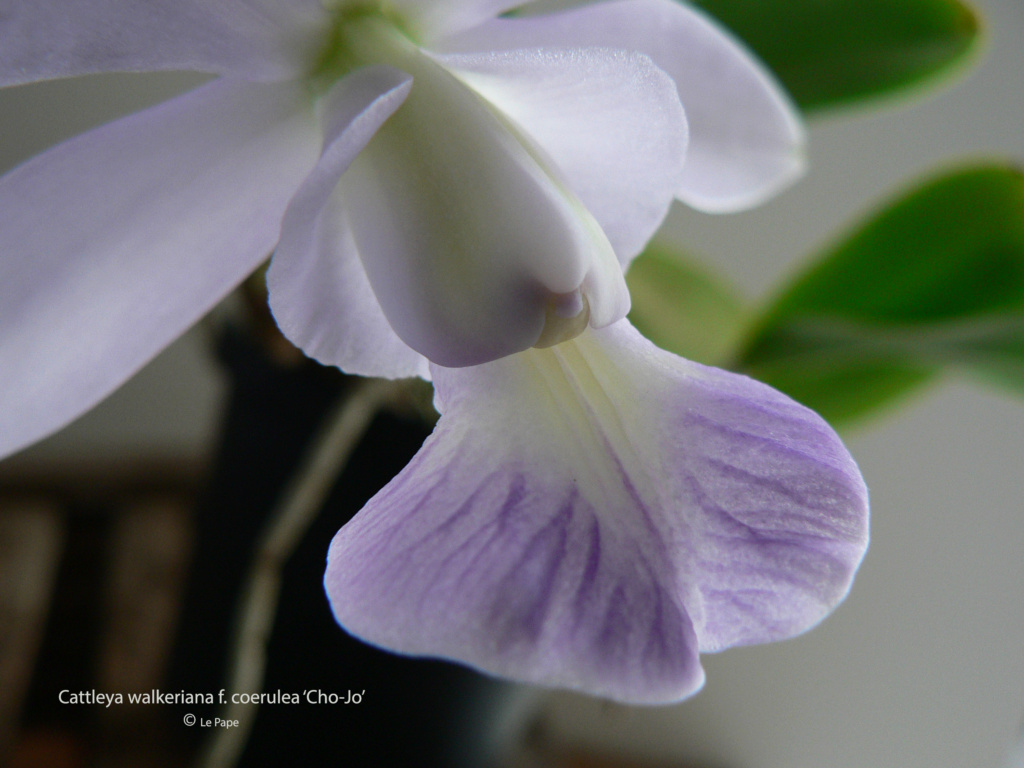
466, 236
253, 39
444, 17
117, 241
610, 120
746, 138
319, 292
592, 514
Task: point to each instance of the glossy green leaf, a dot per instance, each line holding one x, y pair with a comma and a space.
828, 52
934, 280
681, 307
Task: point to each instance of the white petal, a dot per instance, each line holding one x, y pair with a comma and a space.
319, 291
443, 17
324, 304
255, 39
611, 121
746, 139
115, 242
467, 238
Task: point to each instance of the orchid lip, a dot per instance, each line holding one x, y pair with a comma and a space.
595, 515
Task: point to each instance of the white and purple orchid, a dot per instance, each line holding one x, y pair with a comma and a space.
452, 194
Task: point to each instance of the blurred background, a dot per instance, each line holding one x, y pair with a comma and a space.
923, 665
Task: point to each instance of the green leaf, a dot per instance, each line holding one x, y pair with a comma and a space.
829, 52
934, 280
681, 307
844, 387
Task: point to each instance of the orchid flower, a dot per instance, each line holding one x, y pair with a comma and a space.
437, 182
454, 194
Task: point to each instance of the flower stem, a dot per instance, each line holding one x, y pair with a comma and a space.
300, 503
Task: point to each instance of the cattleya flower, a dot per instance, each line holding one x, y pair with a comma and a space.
453, 194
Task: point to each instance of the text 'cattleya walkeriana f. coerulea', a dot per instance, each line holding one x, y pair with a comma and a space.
452, 193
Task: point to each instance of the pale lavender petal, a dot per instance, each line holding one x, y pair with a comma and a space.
319, 292
593, 514
610, 120
254, 39
115, 242
746, 139
467, 237
429, 20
